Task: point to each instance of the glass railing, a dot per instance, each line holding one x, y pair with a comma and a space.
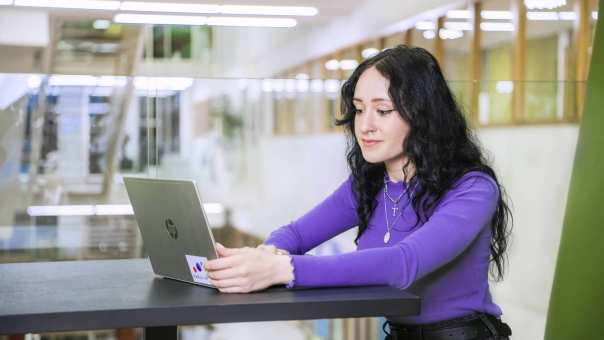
68, 140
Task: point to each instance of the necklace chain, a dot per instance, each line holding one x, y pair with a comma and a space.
394, 201
394, 209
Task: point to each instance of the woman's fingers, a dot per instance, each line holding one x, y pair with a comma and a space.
227, 273
224, 251
228, 283
222, 263
232, 290
268, 247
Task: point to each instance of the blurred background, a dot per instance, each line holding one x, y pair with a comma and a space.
242, 96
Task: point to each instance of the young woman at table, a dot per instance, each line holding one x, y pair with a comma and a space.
429, 208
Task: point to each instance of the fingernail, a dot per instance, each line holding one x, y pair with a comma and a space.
219, 245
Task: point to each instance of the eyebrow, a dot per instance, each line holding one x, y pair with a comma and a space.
372, 100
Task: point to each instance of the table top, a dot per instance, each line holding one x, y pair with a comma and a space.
86, 295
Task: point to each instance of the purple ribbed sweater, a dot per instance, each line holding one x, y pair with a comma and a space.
444, 260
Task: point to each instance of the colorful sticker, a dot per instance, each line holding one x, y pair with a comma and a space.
198, 273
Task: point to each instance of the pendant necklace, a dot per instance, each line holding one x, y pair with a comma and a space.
393, 200
394, 209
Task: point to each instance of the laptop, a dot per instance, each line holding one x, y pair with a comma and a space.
175, 229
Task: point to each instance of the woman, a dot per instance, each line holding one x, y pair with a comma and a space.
429, 209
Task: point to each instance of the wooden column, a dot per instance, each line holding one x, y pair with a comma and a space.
339, 72
308, 114
358, 53
475, 63
325, 99
381, 43
439, 50
519, 61
408, 37
583, 39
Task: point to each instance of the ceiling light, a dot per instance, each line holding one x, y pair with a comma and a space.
332, 85
459, 14
34, 81
251, 22
169, 7
77, 4
162, 83
266, 85
348, 64
369, 52
111, 81
72, 80
290, 85
113, 209
316, 85
302, 76
544, 4
497, 26
268, 10
458, 25
302, 85
332, 64
6, 2
277, 85
157, 19
429, 35
570, 16
504, 86
100, 209
449, 34
496, 15
594, 15
101, 24
542, 16
425, 25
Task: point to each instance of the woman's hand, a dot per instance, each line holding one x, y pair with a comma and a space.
271, 248
244, 270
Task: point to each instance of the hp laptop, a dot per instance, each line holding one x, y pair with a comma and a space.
174, 226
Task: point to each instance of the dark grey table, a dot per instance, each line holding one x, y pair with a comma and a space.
85, 295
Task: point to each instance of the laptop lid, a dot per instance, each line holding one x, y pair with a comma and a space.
175, 230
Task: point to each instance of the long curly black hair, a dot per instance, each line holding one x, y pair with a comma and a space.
440, 145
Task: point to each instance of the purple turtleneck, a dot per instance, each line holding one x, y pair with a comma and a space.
444, 260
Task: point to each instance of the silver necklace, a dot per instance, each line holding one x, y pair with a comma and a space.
393, 200
388, 225
394, 209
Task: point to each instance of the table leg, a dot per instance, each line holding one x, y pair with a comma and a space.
161, 333
125, 334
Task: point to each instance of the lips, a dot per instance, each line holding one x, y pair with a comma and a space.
370, 142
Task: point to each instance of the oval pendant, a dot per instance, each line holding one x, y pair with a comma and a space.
387, 237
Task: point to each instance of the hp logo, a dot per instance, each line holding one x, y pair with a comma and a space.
171, 228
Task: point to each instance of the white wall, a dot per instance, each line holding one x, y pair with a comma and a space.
535, 165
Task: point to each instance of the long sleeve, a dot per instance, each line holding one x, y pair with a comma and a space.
336, 214
455, 223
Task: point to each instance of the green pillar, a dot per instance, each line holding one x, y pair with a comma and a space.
576, 308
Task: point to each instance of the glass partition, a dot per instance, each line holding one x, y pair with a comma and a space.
68, 140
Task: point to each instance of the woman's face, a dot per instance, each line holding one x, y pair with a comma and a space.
378, 127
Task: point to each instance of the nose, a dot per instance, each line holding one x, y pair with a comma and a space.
367, 122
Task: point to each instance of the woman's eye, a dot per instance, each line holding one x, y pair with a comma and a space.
358, 111
384, 112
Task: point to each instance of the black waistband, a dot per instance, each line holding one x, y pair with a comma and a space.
476, 325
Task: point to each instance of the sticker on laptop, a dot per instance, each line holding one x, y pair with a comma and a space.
198, 273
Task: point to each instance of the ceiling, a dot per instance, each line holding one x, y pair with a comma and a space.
76, 47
